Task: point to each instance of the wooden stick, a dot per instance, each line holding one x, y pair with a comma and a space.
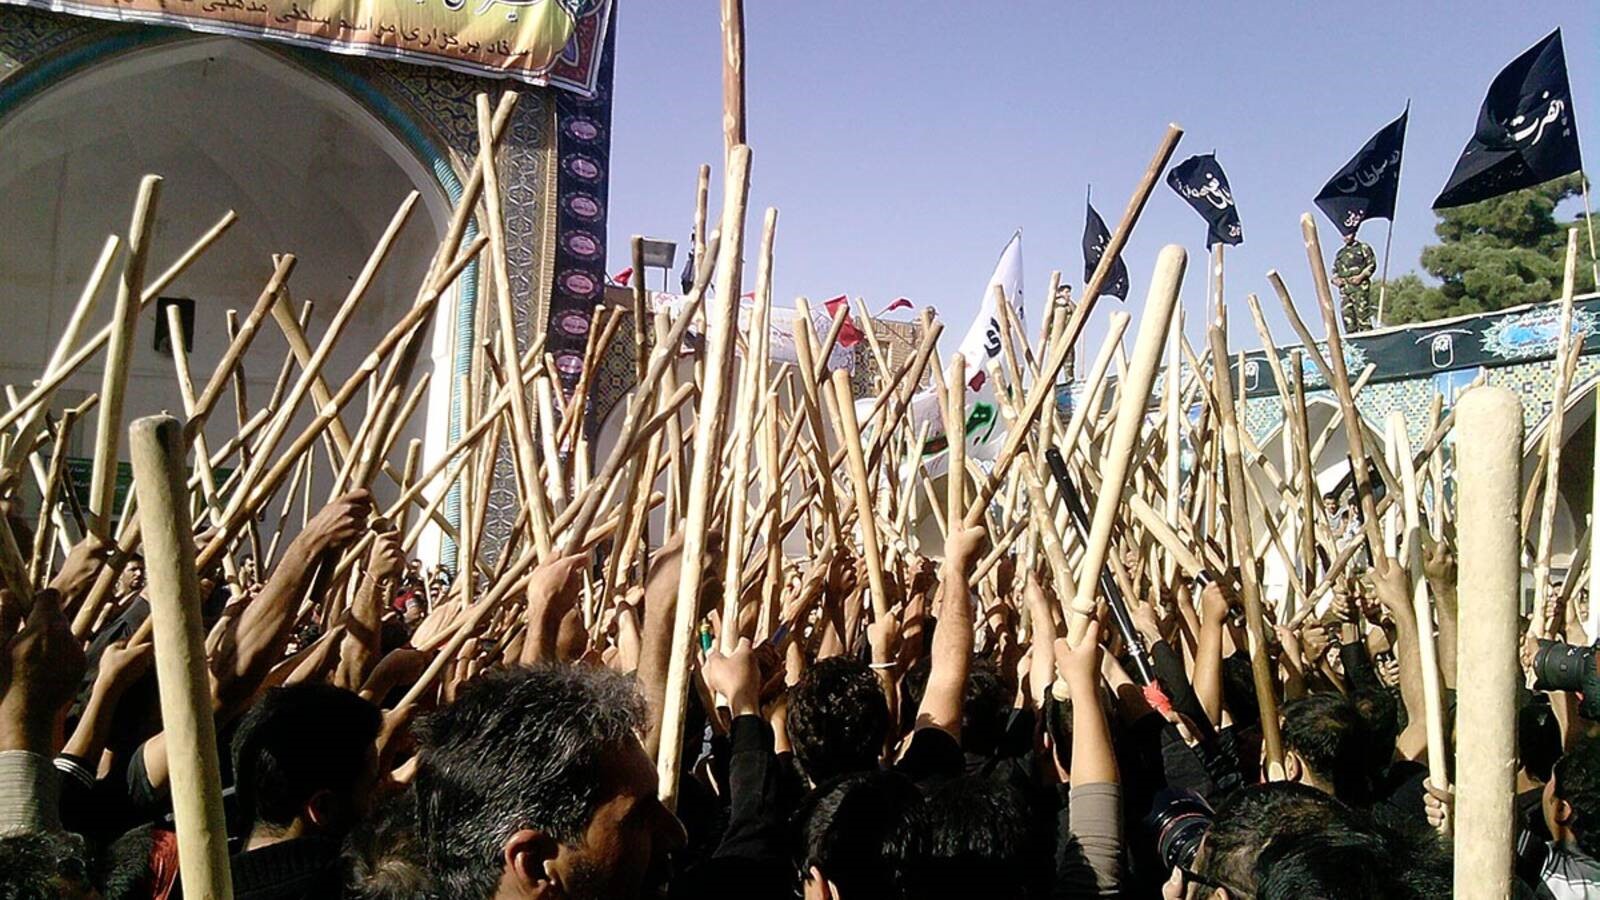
524, 454
259, 490
1488, 448
114, 384
721, 325
157, 445
1339, 379
313, 367
750, 387
1045, 386
1411, 554
1249, 577
733, 120
48, 503
850, 436
202, 455
1134, 396
42, 391
955, 438
88, 299
579, 514
1553, 442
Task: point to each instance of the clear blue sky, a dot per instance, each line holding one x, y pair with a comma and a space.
903, 142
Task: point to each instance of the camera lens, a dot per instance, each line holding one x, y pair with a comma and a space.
1178, 821
1561, 667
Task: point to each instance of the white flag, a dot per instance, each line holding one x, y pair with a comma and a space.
981, 345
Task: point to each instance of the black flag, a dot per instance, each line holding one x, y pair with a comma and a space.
1095, 239
1526, 133
1365, 188
1201, 181
686, 278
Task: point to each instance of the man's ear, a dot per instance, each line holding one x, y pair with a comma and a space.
1563, 812
528, 856
319, 810
1292, 769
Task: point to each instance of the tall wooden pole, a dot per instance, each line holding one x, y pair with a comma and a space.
1134, 397
721, 321
114, 385
733, 121
1239, 523
1553, 441
1488, 477
1044, 387
157, 447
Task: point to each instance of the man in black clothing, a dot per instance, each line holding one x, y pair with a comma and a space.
305, 766
837, 719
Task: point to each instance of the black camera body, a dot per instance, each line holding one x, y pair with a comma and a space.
1559, 666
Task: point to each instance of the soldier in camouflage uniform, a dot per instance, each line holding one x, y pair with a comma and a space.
1353, 266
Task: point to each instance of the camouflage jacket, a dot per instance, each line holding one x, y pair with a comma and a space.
1353, 260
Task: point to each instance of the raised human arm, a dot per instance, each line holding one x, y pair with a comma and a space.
263, 628
358, 651
1208, 657
952, 641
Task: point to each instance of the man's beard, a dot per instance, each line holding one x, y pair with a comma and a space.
585, 881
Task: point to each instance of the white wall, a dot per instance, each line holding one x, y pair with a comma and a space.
229, 126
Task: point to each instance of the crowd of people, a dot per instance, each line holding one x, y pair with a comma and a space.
960, 747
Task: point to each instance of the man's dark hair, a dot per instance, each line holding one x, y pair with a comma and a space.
985, 704
522, 748
1333, 864
1380, 715
854, 831
837, 719
1330, 737
382, 856
1239, 692
297, 742
1538, 737
1577, 781
36, 866
974, 837
1255, 816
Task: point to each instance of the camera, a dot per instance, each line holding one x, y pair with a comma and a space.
1559, 666
1178, 822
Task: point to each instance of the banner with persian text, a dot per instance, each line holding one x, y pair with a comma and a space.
543, 42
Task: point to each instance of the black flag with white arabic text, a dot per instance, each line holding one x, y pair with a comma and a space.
1365, 188
1095, 238
1526, 133
1201, 182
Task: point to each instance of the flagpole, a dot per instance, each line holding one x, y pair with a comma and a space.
1383, 279
1588, 221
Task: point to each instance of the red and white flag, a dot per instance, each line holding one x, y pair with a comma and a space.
899, 303
849, 334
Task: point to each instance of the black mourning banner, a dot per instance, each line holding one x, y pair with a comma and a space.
1365, 187
1095, 238
1201, 182
1526, 134
686, 277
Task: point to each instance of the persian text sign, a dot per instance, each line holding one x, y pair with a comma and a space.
546, 42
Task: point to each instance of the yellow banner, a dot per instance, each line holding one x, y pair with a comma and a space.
546, 42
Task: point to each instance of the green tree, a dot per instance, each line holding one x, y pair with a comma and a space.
1502, 252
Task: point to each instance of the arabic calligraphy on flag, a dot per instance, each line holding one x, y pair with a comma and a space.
1365, 187
1525, 135
545, 42
1200, 181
